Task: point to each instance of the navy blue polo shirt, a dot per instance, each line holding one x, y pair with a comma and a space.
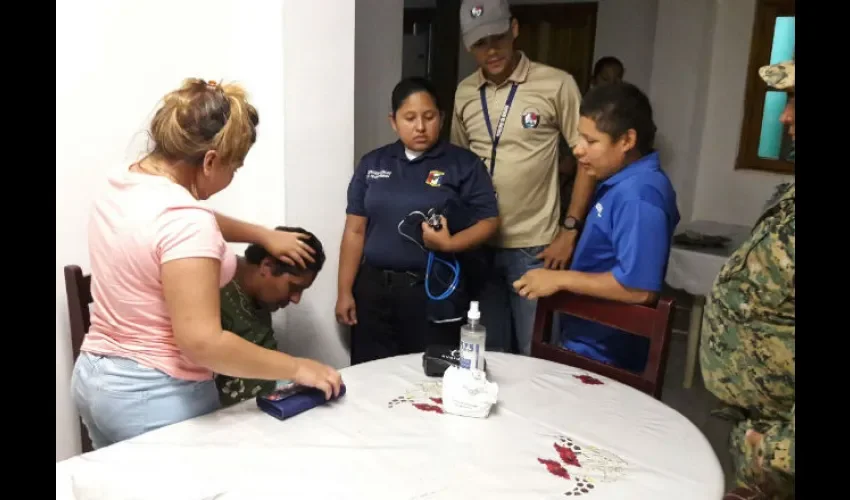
387, 187
628, 231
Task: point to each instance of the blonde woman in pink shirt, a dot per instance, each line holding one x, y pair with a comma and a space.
158, 258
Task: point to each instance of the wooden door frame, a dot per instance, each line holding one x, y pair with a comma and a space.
556, 10
446, 41
443, 50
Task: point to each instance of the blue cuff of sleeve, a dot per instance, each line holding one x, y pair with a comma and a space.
635, 281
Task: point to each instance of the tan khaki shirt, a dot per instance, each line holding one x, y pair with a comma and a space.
526, 172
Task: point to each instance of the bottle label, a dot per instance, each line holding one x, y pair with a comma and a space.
469, 355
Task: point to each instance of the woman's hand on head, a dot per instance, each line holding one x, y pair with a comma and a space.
289, 247
314, 374
441, 240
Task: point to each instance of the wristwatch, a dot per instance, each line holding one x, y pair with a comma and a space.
571, 223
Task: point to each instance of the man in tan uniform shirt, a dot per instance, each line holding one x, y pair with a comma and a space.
543, 105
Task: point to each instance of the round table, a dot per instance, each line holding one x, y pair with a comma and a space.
556, 432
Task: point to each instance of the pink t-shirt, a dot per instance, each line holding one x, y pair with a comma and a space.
140, 222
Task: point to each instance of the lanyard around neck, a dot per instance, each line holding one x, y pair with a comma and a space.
500, 126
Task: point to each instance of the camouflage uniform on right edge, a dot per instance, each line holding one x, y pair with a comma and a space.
747, 352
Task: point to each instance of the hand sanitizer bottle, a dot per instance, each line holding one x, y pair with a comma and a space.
473, 337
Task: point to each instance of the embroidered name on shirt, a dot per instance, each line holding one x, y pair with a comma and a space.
378, 174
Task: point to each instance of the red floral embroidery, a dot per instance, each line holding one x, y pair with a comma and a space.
555, 468
424, 403
567, 455
427, 407
587, 379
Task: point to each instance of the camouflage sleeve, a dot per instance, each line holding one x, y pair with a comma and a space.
227, 322
254, 332
789, 232
233, 390
251, 330
777, 446
778, 263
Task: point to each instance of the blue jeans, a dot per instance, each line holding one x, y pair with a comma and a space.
507, 316
118, 399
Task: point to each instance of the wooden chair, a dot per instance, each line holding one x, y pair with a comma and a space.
78, 290
652, 322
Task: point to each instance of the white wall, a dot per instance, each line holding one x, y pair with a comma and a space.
697, 88
377, 53
723, 193
110, 73
319, 144
681, 61
625, 29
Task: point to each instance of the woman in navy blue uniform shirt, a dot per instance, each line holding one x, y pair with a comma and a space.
386, 242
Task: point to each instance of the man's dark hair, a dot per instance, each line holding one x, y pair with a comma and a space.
618, 107
256, 253
611, 62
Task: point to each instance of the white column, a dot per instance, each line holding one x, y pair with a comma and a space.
318, 95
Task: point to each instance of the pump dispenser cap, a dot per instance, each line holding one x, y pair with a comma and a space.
473, 313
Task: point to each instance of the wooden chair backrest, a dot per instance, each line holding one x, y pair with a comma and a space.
653, 322
78, 291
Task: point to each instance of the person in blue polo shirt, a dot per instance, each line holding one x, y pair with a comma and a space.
385, 292
623, 249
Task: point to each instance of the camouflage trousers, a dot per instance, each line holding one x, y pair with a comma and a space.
773, 484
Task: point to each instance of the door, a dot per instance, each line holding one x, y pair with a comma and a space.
560, 35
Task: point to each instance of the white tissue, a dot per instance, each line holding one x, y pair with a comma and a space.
467, 392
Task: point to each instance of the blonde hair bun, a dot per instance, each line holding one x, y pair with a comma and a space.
201, 116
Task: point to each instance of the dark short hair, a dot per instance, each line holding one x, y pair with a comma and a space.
608, 62
410, 86
256, 253
618, 107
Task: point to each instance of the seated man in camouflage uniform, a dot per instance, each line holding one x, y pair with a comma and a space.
262, 285
748, 352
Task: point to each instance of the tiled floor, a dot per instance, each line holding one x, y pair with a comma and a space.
696, 403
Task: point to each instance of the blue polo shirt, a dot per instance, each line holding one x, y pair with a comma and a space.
628, 231
387, 187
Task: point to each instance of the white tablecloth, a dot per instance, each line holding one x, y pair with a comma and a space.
385, 440
694, 269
